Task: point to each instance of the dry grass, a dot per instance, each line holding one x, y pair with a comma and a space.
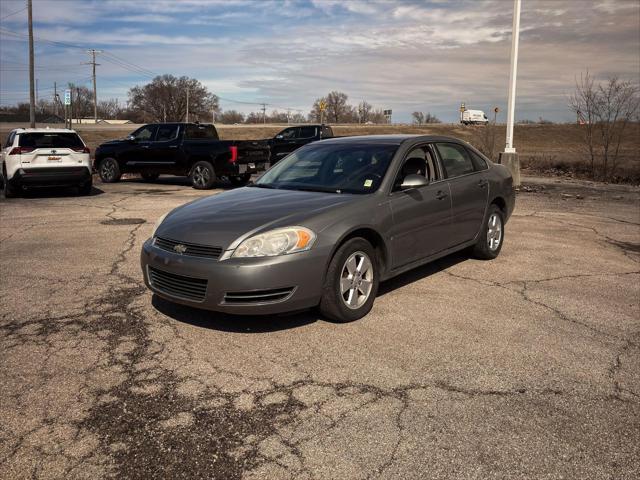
547, 149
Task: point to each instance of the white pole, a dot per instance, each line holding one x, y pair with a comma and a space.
512, 76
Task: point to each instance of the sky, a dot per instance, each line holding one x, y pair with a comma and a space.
404, 55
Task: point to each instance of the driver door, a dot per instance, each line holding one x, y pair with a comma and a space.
137, 154
421, 216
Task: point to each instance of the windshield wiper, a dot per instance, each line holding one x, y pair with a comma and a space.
315, 188
262, 185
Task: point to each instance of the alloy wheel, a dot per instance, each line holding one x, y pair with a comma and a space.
201, 176
356, 280
494, 232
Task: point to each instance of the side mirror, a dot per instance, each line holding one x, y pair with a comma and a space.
413, 181
279, 137
130, 138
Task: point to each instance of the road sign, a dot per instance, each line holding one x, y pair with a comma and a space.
496, 110
462, 107
67, 97
322, 105
387, 112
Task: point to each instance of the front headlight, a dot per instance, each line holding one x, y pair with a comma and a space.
158, 223
280, 241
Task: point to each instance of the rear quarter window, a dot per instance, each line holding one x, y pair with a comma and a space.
50, 140
201, 132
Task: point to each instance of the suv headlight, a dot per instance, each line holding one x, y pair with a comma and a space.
158, 223
280, 241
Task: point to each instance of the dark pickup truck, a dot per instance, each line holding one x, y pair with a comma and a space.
292, 138
181, 149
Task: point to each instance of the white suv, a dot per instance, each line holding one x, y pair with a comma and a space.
45, 157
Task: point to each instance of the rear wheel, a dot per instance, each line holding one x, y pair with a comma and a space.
8, 190
149, 177
109, 170
202, 176
240, 180
351, 283
491, 236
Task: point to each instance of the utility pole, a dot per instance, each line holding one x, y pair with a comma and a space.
55, 98
509, 157
213, 116
187, 105
264, 113
93, 63
32, 94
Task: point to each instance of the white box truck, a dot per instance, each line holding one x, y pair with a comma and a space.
473, 117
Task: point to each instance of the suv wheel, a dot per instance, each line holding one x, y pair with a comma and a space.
240, 180
8, 190
109, 170
491, 236
352, 281
202, 176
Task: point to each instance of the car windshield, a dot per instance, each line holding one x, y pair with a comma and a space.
337, 168
50, 140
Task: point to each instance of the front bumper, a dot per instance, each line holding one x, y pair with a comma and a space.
300, 274
50, 177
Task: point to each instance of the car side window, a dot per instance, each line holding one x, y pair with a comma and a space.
10, 138
419, 161
456, 161
289, 133
166, 133
145, 133
307, 132
478, 162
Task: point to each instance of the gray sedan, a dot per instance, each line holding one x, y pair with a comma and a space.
328, 223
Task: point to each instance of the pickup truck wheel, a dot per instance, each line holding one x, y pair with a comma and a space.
202, 176
240, 180
149, 177
109, 170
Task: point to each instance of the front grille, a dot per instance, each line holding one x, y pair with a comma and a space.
178, 286
191, 249
259, 296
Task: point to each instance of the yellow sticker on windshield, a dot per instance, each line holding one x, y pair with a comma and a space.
368, 183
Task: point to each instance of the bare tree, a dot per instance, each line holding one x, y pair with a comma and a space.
337, 107
604, 112
230, 117
418, 118
429, 118
364, 111
165, 98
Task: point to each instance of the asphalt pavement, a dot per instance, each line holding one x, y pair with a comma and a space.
527, 366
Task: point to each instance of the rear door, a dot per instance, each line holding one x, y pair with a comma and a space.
421, 216
469, 191
163, 151
51, 149
136, 155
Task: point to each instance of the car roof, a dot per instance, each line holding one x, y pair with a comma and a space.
43, 130
393, 139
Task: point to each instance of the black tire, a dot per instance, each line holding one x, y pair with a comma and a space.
333, 303
202, 176
240, 180
86, 188
485, 249
8, 190
109, 170
149, 177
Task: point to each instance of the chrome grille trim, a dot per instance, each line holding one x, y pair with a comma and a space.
192, 249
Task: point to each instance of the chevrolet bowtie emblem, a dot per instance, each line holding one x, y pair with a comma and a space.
180, 248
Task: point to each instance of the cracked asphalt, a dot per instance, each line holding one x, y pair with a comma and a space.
527, 366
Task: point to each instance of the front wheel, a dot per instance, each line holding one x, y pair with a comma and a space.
352, 281
109, 170
240, 180
491, 236
202, 176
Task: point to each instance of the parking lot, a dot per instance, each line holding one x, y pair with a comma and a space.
527, 366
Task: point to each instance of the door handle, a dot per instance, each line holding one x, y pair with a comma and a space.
441, 195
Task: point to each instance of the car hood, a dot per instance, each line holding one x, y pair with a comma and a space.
220, 219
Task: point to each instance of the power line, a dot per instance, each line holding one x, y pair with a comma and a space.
12, 14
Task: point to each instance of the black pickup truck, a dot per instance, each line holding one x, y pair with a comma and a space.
181, 149
292, 138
